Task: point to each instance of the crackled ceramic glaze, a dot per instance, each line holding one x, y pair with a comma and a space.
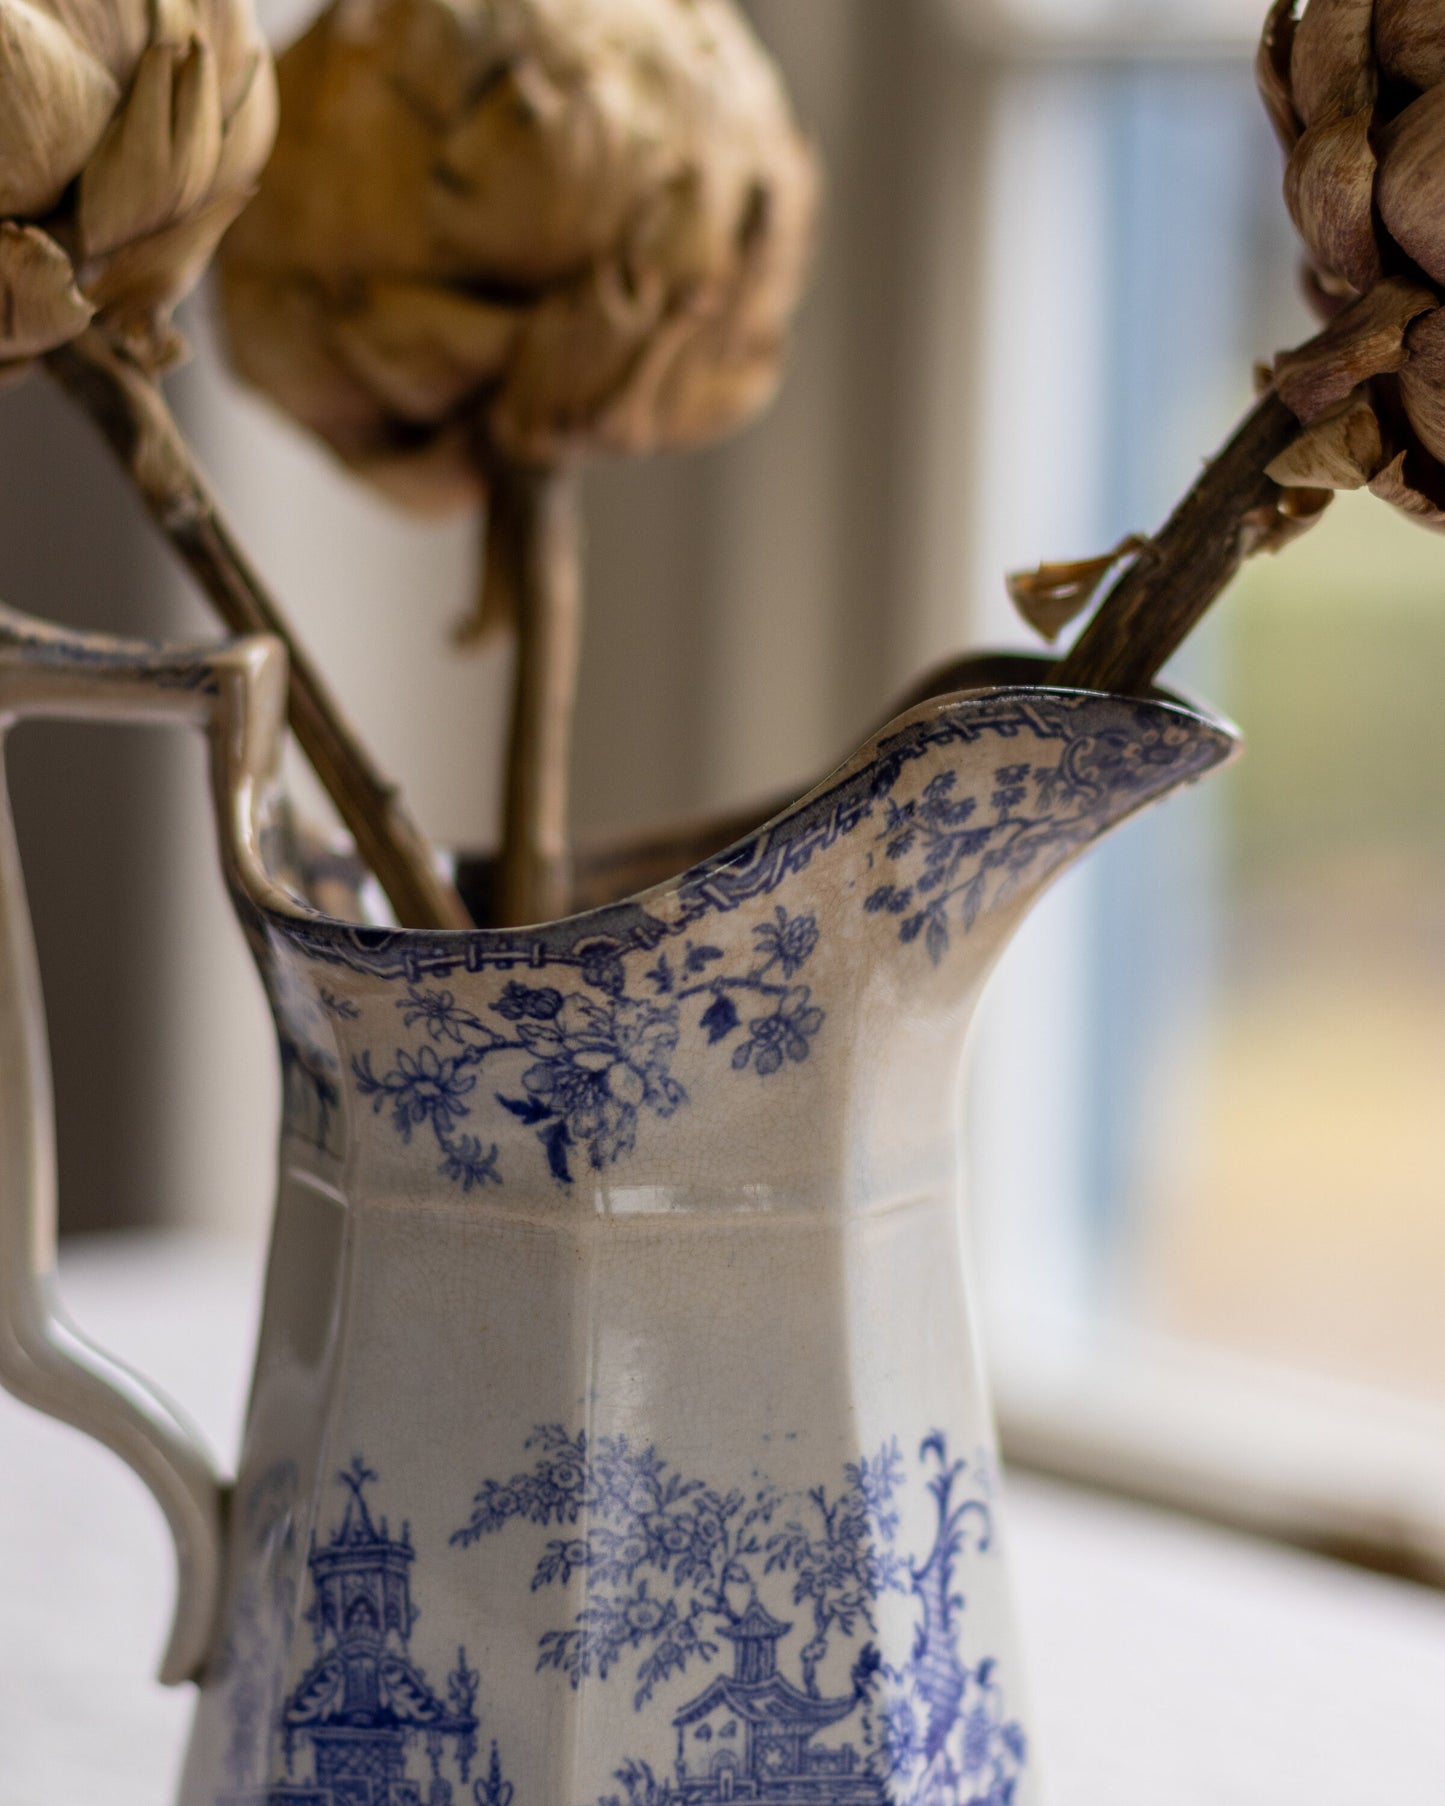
618, 1436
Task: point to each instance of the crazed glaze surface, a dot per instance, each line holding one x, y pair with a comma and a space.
618, 1436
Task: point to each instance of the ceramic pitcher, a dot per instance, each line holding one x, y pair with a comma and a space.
618, 1435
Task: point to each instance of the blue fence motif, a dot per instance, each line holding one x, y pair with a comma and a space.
683, 1580
1113, 756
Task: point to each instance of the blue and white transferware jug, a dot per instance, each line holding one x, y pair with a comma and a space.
617, 1436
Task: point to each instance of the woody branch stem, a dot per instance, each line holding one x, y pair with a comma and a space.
1166, 590
534, 553
127, 406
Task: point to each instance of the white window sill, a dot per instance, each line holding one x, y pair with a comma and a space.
1306, 1460
1172, 1665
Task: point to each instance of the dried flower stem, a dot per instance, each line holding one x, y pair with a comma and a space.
534, 555
129, 409
1179, 573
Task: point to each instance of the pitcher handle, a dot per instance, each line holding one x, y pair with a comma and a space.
236, 693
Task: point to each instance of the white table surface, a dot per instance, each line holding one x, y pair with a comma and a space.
1171, 1665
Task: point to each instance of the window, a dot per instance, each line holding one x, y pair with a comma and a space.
1231, 1021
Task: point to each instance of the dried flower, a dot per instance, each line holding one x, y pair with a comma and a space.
1051, 595
1356, 91
131, 133
520, 230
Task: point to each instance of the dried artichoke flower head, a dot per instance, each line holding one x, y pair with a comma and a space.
131, 134
521, 230
1356, 92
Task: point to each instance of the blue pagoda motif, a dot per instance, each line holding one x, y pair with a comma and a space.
749, 1735
364, 1705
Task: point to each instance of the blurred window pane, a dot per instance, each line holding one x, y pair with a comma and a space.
1233, 1019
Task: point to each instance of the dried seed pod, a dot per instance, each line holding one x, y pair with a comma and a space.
520, 230
131, 134
1356, 91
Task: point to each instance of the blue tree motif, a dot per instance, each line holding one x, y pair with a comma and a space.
842, 1558
1037, 815
596, 1063
443, 1018
672, 1570
463, 1684
668, 1559
786, 1027
640, 1787
784, 1034
944, 1733
945, 829
660, 1552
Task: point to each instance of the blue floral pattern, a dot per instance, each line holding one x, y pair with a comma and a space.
672, 1572
629, 1003
789, 1019
599, 1061
960, 854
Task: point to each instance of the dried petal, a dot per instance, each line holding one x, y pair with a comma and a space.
131, 132
250, 129
1411, 186
440, 479
368, 152
1332, 65
1367, 339
1343, 451
1052, 595
573, 363
1329, 187
608, 204
533, 182
1271, 73
114, 32
233, 35
1422, 380
289, 356
1410, 40
1394, 485
1298, 510
1328, 295
40, 305
700, 385
160, 155
148, 274
55, 103
422, 350
1272, 527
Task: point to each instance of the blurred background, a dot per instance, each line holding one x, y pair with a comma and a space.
1206, 1094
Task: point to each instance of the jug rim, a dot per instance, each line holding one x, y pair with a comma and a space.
620, 923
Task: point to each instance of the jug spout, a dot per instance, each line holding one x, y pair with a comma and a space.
784, 1016
975, 803
618, 1419
983, 802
